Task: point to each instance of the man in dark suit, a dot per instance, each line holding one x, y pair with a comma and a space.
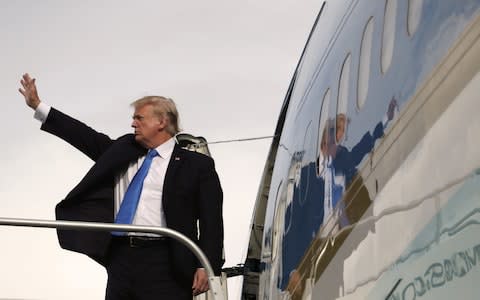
181, 191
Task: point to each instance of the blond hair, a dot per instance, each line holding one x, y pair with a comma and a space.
162, 108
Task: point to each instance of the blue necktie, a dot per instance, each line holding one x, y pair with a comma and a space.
132, 195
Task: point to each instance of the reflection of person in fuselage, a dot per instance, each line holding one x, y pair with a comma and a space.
348, 185
332, 190
344, 162
315, 197
303, 217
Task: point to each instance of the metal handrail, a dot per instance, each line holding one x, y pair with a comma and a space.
213, 280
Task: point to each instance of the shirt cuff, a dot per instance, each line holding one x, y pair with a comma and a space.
42, 111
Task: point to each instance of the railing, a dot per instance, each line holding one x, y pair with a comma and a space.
214, 282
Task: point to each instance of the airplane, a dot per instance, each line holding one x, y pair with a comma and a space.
371, 188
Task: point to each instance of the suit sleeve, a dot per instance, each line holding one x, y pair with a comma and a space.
77, 134
366, 144
210, 216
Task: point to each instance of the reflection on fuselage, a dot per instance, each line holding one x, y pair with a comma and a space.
336, 167
325, 230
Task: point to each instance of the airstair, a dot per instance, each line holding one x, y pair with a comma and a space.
217, 290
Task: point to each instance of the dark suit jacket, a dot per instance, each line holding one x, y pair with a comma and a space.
191, 192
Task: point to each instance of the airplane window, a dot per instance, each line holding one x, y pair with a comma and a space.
343, 87
278, 222
364, 68
305, 180
388, 38
414, 15
322, 132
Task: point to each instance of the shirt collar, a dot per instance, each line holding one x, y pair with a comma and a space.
165, 150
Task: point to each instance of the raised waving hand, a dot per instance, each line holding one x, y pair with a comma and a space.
29, 91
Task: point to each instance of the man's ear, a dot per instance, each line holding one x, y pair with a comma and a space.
162, 124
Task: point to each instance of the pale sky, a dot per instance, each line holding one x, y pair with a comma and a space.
226, 64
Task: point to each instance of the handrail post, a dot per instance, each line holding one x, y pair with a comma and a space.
214, 282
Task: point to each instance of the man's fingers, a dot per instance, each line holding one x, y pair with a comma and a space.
203, 285
200, 282
26, 76
27, 81
200, 290
25, 84
200, 285
195, 281
195, 285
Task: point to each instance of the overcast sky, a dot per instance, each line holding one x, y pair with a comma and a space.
226, 64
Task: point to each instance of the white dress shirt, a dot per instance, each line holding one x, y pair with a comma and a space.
149, 210
328, 176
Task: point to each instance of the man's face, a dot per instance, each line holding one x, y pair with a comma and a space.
331, 145
147, 126
328, 146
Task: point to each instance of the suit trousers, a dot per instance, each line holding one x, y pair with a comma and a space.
142, 272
